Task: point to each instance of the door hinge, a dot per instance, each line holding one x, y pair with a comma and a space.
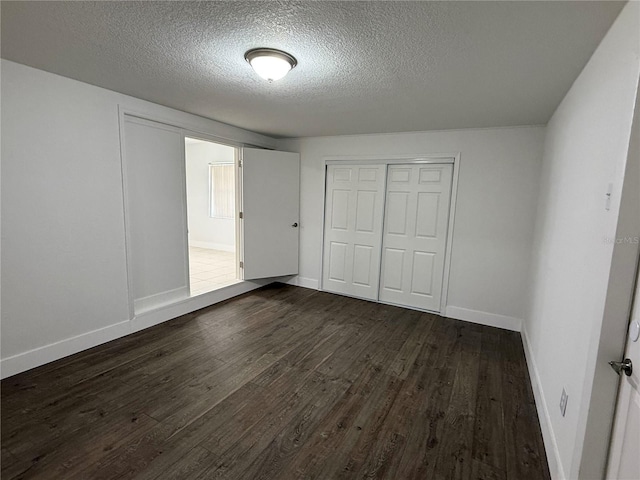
240, 163
241, 216
241, 264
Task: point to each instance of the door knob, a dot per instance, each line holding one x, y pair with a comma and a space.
624, 366
295, 225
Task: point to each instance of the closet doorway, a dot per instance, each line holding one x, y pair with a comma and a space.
211, 214
387, 226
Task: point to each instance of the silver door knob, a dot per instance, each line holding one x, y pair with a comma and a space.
295, 225
624, 366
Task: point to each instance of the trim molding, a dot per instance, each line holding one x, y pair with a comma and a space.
54, 351
188, 305
304, 282
157, 300
388, 159
193, 125
484, 318
24, 361
548, 436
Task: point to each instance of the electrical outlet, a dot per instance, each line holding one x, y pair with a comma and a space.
563, 402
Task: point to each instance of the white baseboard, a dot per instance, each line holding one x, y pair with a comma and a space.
213, 246
39, 356
549, 438
299, 281
484, 318
161, 299
188, 305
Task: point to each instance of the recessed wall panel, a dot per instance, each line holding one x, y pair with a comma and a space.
393, 269
400, 175
342, 175
340, 209
396, 215
156, 210
422, 277
365, 210
337, 261
427, 214
367, 174
362, 265
430, 175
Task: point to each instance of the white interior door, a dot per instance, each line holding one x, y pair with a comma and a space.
270, 210
353, 229
624, 461
156, 213
415, 234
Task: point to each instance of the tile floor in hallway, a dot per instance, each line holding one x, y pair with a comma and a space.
210, 269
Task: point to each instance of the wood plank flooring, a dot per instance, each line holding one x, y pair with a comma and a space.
281, 383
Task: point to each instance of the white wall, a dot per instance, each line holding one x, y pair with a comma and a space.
586, 149
495, 211
204, 231
64, 283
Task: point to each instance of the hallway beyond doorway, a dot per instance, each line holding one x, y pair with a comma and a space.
210, 269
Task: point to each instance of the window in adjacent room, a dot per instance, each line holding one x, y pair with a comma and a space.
211, 214
221, 190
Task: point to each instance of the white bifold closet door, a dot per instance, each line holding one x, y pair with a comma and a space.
353, 229
156, 213
415, 234
386, 232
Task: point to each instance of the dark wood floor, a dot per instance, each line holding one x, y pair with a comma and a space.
281, 383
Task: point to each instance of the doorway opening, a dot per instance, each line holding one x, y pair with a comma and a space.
211, 214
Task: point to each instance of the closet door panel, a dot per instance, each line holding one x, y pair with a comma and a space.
397, 213
415, 234
427, 215
353, 229
362, 260
340, 210
394, 260
423, 273
338, 261
365, 211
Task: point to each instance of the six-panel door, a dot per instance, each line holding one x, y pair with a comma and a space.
353, 229
415, 234
386, 232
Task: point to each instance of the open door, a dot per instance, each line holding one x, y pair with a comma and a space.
624, 461
270, 210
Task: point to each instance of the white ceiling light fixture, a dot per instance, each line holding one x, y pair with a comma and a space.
269, 63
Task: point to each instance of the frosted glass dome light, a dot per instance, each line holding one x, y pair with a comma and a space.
269, 63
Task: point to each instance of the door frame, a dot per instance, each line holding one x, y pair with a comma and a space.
186, 130
423, 158
238, 188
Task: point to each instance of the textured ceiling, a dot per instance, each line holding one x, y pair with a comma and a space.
364, 67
